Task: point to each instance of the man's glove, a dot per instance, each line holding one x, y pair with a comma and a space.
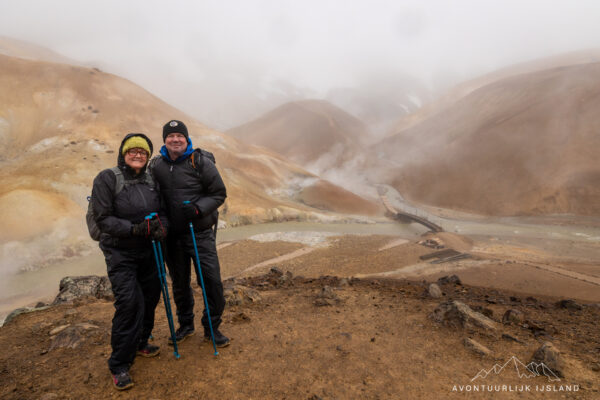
140, 229
157, 232
190, 211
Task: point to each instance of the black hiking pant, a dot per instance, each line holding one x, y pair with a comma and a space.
136, 286
180, 251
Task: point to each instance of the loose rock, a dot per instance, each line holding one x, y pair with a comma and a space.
77, 287
58, 330
236, 295
476, 347
506, 336
327, 297
23, 310
569, 305
69, 337
549, 356
459, 315
513, 316
435, 291
453, 279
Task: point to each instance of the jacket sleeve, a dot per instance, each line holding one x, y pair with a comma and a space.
214, 189
102, 204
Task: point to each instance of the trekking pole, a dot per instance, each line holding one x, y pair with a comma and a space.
160, 266
199, 272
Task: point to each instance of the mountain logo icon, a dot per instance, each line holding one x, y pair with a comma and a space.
530, 370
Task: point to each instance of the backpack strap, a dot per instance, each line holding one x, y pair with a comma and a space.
120, 183
197, 159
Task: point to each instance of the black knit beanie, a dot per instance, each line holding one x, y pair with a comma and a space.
175, 126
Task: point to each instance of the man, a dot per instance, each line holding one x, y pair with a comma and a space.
193, 190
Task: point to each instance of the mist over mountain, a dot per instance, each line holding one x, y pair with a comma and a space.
379, 100
524, 144
313, 133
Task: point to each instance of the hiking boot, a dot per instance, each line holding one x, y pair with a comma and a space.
181, 334
148, 350
220, 339
122, 380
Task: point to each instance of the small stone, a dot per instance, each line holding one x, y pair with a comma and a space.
435, 291
40, 304
513, 316
596, 366
476, 347
488, 312
569, 305
445, 280
531, 299
328, 293
344, 282
506, 336
240, 317
58, 330
69, 338
86, 327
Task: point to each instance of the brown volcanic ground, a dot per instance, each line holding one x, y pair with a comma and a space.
327, 337
527, 144
307, 132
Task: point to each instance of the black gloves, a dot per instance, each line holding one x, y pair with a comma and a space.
190, 211
149, 228
157, 232
140, 229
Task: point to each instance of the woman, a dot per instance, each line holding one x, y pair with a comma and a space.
120, 205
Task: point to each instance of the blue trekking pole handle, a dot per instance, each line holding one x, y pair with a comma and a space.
164, 290
199, 272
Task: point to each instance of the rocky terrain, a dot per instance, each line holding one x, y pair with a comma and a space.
299, 332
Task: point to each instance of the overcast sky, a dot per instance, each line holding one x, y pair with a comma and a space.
211, 54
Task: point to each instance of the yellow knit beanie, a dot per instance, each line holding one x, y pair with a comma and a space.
136, 141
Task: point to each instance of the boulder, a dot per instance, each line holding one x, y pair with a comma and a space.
77, 287
550, 357
459, 315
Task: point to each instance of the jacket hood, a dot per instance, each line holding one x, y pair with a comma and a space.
121, 158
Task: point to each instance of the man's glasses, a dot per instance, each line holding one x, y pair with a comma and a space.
137, 152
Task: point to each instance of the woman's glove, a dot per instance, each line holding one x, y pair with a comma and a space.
157, 231
140, 229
